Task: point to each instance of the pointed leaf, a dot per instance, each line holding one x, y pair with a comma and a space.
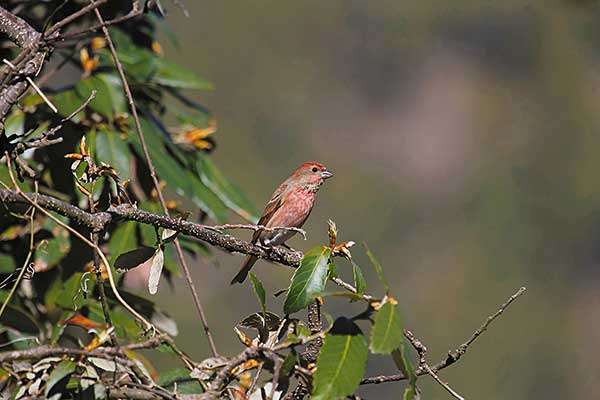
174, 75
341, 363
404, 364
309, 279
113, 150
122, 240
134, 258
259, 290
62, 370
67, 102
103, 101
349, 295
359, 280
378, 268
49, 253
227, 191
115, 88
386, 334
7, 264
158, 261
179, 179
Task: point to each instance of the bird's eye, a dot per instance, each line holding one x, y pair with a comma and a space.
315, 169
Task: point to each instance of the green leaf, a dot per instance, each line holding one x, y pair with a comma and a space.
117, 95
309, 280
333, 271
103, 102
122, 240
125, 326
341, 363
67, 102
49, 253
69, 297
386, 334
174, 75
19, 319
359, 280
205, 198
179, 179
15, 123
113, 150
349, 295
7, 264
21, 341
378, 268
404, 364
174, 375
287, 367
259, 290
227, 191
62, 370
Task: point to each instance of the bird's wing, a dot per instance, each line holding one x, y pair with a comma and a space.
272, 206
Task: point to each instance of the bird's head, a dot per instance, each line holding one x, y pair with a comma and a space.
311, 174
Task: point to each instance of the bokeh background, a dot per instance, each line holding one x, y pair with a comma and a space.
464, 136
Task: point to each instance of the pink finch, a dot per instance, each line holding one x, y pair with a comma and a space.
289, 207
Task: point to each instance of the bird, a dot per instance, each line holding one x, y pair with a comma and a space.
289, 207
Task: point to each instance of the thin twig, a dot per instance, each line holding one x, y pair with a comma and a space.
72, 35
148, 325
25, 264
149, 163
422, 352
453, 356
73, 17
34, 86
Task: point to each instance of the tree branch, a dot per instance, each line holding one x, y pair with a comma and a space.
453, 356
30, 60
17, 30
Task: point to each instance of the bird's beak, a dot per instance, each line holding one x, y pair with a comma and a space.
326, 174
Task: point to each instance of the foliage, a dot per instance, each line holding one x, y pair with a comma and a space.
100, 164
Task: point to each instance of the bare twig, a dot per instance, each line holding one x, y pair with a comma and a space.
149, 163
46, 138
453, 356
28, 62
25, 264
37, 353
35, 87
73, 17
422, 352
250, 353
73, 35
148, 325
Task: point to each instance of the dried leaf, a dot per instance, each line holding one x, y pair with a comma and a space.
158, 261
332, 233
81, 321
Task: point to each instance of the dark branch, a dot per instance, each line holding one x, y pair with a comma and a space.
98, 221
17, 30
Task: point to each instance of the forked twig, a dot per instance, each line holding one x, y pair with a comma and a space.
148, 325
453, 356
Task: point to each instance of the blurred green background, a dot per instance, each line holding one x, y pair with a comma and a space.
464, 139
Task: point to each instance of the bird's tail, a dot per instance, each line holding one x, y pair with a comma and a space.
241, 276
